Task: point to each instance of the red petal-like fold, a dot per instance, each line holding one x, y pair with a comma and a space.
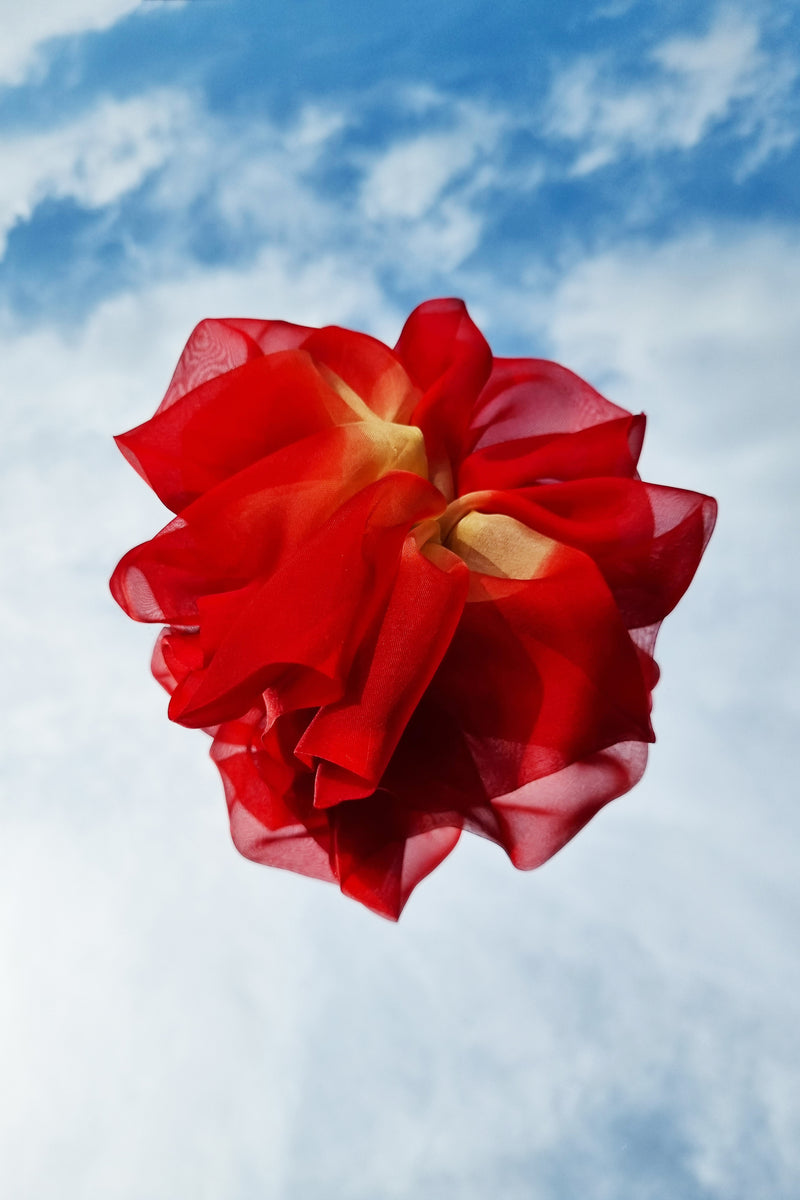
382, 850
647, 540
496, 730
540, 673
542, 816
449, 359
611, 448
528, 397
175, 654
218, 346
227, 423
263, 825
371, 370
355, 737
241, 529
298, 633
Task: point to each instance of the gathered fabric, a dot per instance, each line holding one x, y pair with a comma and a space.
407, 592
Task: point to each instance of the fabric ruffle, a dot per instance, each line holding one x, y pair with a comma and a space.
407, 592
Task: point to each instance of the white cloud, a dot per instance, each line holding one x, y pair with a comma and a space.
704, 322
313, 127
419, 201
406, 180
94, 159
445, 238
420, 198
114, 368
697, 82
255, 178
27, 26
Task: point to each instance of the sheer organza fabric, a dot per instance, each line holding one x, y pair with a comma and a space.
408, 592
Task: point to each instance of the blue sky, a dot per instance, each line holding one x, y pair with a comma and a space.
206, 130
614, 185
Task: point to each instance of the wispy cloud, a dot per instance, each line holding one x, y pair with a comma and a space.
695, 84
94, 159
27, 27
694, 321
424, 192
415, 202
408, 178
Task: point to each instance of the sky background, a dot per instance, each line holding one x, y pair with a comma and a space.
611, 184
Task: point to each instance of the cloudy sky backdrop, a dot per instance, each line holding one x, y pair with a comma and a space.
613, 184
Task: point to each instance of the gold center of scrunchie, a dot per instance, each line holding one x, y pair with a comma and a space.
489, 543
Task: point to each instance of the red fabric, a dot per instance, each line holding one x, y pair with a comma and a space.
408, 592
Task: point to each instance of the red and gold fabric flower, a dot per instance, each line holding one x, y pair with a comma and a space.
407, 592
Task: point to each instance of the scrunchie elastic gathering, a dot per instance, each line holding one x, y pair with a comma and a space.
408, 592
